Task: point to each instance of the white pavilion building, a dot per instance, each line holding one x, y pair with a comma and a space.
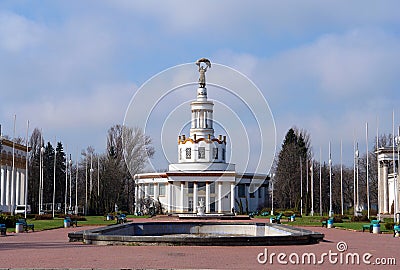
388, 181
202, 173
12, 181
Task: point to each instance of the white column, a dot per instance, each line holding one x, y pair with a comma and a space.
169, 200
12, 188
207, 197
256, 198
195, 203
8, 185
193, 120
3, 185
22, 187
136, 198
247, 193
385, 188
156, 191
232, 196
182, 196
219, 197
17, 185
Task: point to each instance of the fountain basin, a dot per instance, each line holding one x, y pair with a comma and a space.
197, 233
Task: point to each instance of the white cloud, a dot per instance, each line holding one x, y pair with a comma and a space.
18, 32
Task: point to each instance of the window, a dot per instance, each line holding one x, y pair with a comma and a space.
180, 153
190, 187
242, 190
151, 189
201, 186
202, 152
188, 153
259, 192
215, 152
252, 195
161, 189
223, 154
212, 188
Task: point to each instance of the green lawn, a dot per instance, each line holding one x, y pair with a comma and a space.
315, 221
55, 223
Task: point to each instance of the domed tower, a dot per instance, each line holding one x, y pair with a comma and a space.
201, 146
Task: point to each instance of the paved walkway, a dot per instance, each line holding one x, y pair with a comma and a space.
51, 249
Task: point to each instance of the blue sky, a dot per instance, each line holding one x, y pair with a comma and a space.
71, 67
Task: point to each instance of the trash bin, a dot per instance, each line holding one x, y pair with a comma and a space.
3, 229
67, 223
19, 227
292, 218
330, 223
376, 228
271, 220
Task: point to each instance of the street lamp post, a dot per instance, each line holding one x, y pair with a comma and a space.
70, 183
66, 180
396, 188
357, 169
76, 187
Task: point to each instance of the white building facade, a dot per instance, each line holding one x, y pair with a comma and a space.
13, 175
388, 181
201, 173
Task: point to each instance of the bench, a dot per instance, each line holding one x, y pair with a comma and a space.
26, 226
121, 218
370, 226
276, 219
72, 221
396, 229
3, 229
325, 222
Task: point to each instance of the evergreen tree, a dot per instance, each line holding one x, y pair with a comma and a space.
287, 180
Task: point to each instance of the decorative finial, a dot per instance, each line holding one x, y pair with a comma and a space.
202, 70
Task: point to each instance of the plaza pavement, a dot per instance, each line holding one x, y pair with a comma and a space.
51, 249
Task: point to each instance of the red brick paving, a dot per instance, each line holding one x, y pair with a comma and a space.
51, 249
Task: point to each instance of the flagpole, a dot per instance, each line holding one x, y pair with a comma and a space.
394, 174
330, 182
366, 140
54, 174
12, 204
301, 188
341, 176
320, 181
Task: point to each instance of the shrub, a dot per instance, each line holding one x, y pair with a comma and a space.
389, 225
44, 217
337, 219
288, 213
9, 220
78, 218
360, 219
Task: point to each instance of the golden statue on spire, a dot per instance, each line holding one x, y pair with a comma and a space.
202, 71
